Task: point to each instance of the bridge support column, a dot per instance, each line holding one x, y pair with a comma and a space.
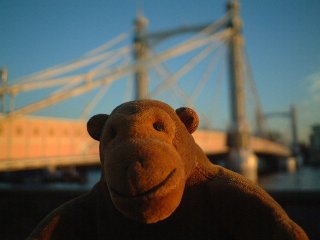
241, 158
141, 53
245, 162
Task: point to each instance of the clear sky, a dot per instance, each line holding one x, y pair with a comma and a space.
282, 40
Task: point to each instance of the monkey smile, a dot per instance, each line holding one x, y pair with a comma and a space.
148, 192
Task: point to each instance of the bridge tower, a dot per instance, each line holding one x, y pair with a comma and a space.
241, 159
140, 53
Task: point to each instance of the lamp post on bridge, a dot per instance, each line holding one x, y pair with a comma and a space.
241, 158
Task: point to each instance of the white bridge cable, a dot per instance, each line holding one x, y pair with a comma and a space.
70, 85
17, 88
249, 77
83, 61
108, 44
90, 106
207, 123
119, 72
98, 97
164, 73
184, 70
207, 74
61, 96
171, 80
184, 48
116, 56
207, 29
128, 93
185, 100
217, 89
100, 70
70, 80
80, 64
260, 125
215, 26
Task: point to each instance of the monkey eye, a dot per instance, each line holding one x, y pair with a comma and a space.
159, 126
112, 133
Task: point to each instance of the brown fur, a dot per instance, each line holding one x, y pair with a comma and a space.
158, 184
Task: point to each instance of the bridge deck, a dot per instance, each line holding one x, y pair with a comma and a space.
34, 142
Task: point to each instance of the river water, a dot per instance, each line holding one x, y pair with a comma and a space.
306, 178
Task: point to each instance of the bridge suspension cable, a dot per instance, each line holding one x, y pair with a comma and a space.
112, 75
37, 82
171, 80
200, 30
259, 118
91, 57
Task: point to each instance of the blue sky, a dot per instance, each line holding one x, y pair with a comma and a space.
281, 37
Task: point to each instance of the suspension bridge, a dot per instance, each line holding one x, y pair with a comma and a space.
185, 73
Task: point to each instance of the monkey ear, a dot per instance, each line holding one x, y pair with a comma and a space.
95, 125
189, 117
